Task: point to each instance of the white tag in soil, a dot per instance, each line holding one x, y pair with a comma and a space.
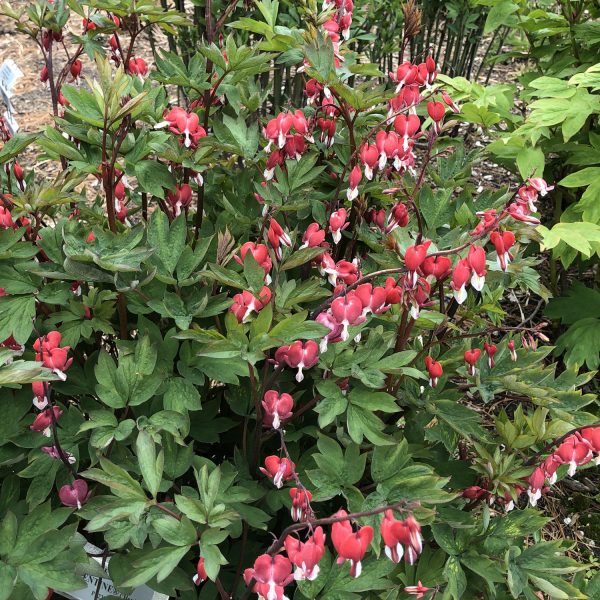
9, 73
107, 587
11, 122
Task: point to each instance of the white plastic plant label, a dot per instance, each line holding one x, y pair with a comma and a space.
9, 73
107, 587
11, 122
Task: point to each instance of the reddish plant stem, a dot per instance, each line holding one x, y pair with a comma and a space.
207, 101
259, 416
167, 511
238, 571
310, 512
61, 453
224, 595
228, 10
404, 329
418, 186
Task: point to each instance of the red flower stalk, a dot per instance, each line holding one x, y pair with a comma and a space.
350, 545
460, 278
337, 223
40, 400
200, 575
43, 421
271, 574
434, 369
74, 495
471, 358
277, 408
490, 350
300, 503
306, 555
278, 469
476, 260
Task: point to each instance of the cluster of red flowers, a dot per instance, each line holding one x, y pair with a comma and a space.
135, 66
396, 144
412, 290
54, 356
576, 450
473, 355
271, 573
246, 303
289, 131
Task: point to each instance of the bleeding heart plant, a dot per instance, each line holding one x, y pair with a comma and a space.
229, 313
